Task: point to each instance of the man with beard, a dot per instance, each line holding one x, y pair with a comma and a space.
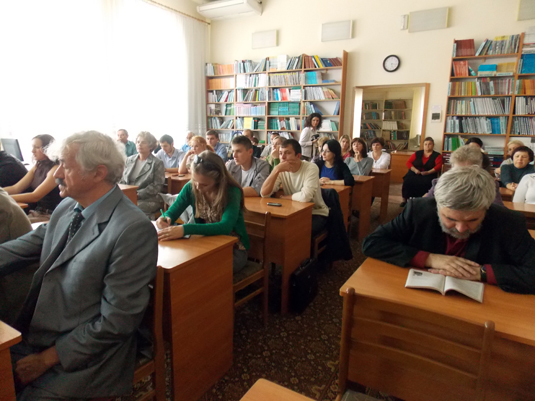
460, 233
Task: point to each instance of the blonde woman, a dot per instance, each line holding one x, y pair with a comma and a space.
217, 202
198, 145
345, 143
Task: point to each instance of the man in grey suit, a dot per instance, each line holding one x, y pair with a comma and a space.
96, 257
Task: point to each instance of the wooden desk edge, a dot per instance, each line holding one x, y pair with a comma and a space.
8, 336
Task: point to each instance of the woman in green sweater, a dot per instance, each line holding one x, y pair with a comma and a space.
217, 201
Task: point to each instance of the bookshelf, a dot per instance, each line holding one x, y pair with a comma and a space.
497, 106
265, 97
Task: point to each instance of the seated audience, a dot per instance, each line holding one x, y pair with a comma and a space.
345, 143
424, 166
169, 155
511, 146
525, 192
129, 146
97, 257
257, 150
332, 169
299, 181
381, 158
11, 170
186, 147
267, 150
309, 136
246, 169
511, 174
274, 158
212, 137
147, 172
359, 163
198, 145
319, 144
460, 233
478, 144
38, 187
467, 156
217, 202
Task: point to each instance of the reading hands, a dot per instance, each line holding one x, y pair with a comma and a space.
453, 266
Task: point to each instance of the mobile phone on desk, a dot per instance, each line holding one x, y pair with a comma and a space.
186, 236
274, 204
182, 175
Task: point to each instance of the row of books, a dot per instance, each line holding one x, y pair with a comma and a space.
221, 83
390, 125
369, 134
482, 86
328, 125
500, 45
461, 69
395, 104
221, 96
219, 69
372, 115
395, 115
480, 106
526, 64
284, 109
320, 93
251, 81
319, 62
525, 87
498, 69
370, 106
283, 123
476, 125
313, 77
399, 135
250, 110
309, 108
251, 95
289, 78
292, 94
464, 47
250, 123
524, 105
220, 109
369, 126
248, 66
219, 123
523, 126
452, 143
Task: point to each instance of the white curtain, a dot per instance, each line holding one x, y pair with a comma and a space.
68, 66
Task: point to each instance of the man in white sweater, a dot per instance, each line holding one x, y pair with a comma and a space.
300, 182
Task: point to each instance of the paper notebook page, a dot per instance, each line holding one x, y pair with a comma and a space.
471, 289
423, 279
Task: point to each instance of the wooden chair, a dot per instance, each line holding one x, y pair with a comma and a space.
411, 353
154, 367
257, 269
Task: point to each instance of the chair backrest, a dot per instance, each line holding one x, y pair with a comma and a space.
411, 353
257, 226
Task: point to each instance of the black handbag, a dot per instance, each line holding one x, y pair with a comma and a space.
304, 285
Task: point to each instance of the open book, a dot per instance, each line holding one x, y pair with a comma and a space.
443, 284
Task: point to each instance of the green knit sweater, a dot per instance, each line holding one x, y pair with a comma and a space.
232, 219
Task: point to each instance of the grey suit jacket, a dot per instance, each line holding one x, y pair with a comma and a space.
87, 297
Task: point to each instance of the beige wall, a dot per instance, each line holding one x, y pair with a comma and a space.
425, 56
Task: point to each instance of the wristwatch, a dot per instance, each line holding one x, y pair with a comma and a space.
483, 271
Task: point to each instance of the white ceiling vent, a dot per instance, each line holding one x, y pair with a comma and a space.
223, 9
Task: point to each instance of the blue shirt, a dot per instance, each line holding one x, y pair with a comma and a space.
328, 173
185, 148
221, 151
90, 210
172, 161
130, 148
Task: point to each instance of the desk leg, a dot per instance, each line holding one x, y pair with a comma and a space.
7, 386
362, 199
385, 192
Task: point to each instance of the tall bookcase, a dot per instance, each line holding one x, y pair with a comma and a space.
488, 103
387, 118
236, 99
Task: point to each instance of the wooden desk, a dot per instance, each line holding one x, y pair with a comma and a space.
198, 311
130, 191
532, 233
526, 209
398, 164
344, 194
381, 189
175, 183
507, 194
362, 201
8, 337
512, 365
264, 390
290, 235
22, 205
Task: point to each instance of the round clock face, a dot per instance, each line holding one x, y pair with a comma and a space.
391, 63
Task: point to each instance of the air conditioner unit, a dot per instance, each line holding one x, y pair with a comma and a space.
230, 9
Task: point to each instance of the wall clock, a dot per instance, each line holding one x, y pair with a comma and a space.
391, 63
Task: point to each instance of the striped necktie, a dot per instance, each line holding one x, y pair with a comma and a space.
76, 222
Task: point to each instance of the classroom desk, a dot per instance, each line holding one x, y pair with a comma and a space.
362, 202
381, 189
198, 311
344, 194
532, 233
175, 183
512, 364
130, 191
289, 235
8, 337
264, 390
507, 194
526, 209
22, 205
398, 165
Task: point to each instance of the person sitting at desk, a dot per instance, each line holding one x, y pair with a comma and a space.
511, 174
332, 169
267, 150
169, 155
274, 158
88, 296
257, 150
186, 147
247, 170
11, 170
525, 192
43, 195
359, 163
217, 202
345, 144
299, 180
129, 146
511, 146
424, 166
380, 159
212, 137
460, 233
147, 172
198, 145
478, 144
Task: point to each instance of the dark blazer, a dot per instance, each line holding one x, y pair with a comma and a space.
341, 170
503, 242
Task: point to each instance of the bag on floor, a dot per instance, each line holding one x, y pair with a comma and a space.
303, 285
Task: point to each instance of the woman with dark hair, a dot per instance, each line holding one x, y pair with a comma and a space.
332, 169
38, 187
424, 166
217, 202
359, 163
380, 159
309, 136
513, 173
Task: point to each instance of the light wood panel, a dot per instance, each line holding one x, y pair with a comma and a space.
507, 194
130, 191
398, 165
264, 390
381, 189
362, 202
175, 183
8, 337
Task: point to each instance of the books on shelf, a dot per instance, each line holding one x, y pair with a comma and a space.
313, 77
527, 65
395, 115
251, 81
309, 108
250, 110
220, 83
336, 111
219, 69
295, 63
364, 125
370, 106
328, 125
284, 109
481, 86
524, 105
523, 126
318, 62
253, 123
320, 93
479, 106
282, 123
372, 115
220, 109
431, 281
285, 79
525, 87
487, 70
452, 143
219, 123
390, 125
476, 125
221, 96
500, 45
251, 95
395, 104
463, 48
460, 68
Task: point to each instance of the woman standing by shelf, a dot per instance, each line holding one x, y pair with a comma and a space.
309, 136
380, 159
346, 147
359, 163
